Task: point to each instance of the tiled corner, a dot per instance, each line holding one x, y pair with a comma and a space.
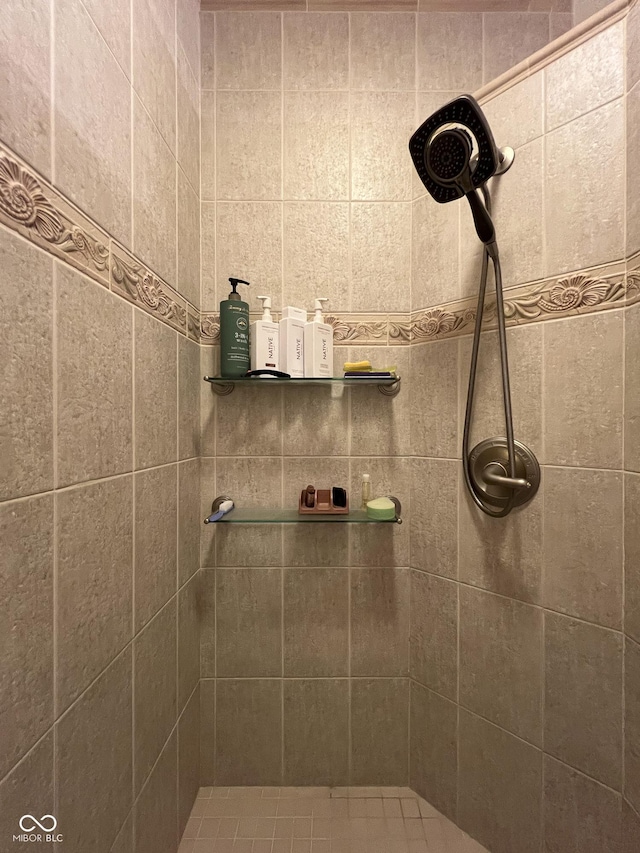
316, 732
433, 749
632, 723
189, 380
155, 541
583, 536
248, 732
154, 195
380, 600
434, 516
583, 697
578, 812
499, 774
188, 629
501, 662
189, 520
248, 623
93, 760
434, 428
510, 38
155, 393
26, 86
434, 633
316, 622
580, 195
26, 707
27, 303
207, 731
154, 690
585, 78
94, 581
188, 759
379, 731
92, 146
502, 555
156, 818
154, 63
94, 434
583, 369
188, 248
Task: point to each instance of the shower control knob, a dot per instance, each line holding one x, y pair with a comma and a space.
495, 474
489, 467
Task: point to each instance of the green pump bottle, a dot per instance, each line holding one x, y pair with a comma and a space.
234, 334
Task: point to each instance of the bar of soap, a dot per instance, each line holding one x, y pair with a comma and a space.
382, 509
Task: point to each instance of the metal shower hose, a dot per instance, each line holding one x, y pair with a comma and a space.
504, 363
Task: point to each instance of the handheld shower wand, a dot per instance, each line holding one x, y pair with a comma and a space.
455, 155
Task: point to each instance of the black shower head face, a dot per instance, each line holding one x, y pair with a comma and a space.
454, 151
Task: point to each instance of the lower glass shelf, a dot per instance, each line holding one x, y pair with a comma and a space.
389, 386
292, 516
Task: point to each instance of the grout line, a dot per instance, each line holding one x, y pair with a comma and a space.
54, 493
56, 543
52, 89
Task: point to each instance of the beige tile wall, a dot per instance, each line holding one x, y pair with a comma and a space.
511, 630
103, 99
541, 646
100, 511
306, 118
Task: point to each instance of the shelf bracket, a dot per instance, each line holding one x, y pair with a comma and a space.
390, 390
221, 387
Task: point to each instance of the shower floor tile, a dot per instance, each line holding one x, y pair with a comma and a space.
319, 820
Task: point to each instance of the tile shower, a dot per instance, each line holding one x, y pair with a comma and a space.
487, 669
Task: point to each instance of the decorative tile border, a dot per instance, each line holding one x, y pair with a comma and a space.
364, 330
571, 295
32, 207
633, 279
137, 284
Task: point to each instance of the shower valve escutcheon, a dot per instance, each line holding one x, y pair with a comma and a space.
488, 471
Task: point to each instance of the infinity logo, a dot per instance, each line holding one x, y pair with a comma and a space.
39, 823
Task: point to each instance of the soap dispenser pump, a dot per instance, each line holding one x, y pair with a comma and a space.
318, 345
265, 339
234, 333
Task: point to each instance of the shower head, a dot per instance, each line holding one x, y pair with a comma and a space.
455, 154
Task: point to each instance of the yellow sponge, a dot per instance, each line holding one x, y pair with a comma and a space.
357, 365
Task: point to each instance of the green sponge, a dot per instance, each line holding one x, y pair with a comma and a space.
382, 509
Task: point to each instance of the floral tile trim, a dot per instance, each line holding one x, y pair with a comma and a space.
359, 329
633, 280
136, 283
193, 323
210, 329
566, 296
33, 208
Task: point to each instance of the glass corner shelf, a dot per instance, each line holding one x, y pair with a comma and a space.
292, 516
387, 386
